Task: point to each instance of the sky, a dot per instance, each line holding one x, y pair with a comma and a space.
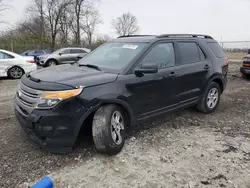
223, 19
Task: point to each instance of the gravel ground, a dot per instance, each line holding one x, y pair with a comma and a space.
186, 149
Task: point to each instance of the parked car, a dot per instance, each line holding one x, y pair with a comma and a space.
36, 53
120, 84
14, 66
245, 69
62, 56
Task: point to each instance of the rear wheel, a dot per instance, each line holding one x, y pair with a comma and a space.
211, 98
15, 72
108, 129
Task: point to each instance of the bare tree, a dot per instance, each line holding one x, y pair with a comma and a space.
91, 20
51, 13
3, 7
126, 24
81, 10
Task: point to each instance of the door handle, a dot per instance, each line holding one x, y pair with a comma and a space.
207, 67
173, 74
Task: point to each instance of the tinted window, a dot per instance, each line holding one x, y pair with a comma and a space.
83, 51
75, 51
189, 52
216, 49
202, 55
162, 54
5, 56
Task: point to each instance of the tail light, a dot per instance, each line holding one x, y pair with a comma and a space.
227, 61
30, 61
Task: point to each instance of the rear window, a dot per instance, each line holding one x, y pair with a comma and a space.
216, 49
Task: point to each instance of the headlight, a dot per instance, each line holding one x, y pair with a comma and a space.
51, 98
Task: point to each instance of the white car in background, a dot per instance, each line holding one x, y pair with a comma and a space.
15, 66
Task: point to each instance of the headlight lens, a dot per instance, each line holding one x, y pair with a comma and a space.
51, 98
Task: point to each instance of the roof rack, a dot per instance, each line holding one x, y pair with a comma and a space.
135, 36
184, 35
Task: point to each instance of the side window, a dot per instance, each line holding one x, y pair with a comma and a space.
83, 52
75, 51
202, 55
162, 54
40, 51
5, 56
189, 52
32, 52
66, 51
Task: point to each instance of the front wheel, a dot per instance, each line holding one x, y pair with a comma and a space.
211, 98
108, 129
51, 63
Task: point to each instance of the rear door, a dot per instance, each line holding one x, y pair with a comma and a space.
64, 56
74, 54
192, 72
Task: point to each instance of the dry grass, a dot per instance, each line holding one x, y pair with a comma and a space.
234, 56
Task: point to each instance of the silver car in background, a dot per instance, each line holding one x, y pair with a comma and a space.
62, 56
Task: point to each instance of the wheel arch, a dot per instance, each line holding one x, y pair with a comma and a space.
8, 69
90, 113
51, 59
217, 79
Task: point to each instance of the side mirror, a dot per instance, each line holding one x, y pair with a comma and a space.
78, 58
146, 69
60, 53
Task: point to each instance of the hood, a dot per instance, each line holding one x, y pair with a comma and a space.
73, 75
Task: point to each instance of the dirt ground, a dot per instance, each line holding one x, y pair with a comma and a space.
187, 149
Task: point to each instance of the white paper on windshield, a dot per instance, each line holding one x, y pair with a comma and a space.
130, 46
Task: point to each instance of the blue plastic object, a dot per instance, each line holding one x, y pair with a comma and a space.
46, 182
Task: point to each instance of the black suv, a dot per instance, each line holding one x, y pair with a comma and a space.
121, 83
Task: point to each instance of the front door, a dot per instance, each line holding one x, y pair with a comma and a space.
154, 93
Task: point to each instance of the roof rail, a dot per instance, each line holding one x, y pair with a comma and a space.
184, 35
135, 36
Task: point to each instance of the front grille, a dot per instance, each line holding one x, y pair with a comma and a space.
28, 96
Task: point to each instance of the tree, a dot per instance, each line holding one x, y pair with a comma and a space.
126, 24
91, 20
81, 10
3, 7
51, 13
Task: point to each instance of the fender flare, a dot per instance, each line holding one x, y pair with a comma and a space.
104, 102
216, 77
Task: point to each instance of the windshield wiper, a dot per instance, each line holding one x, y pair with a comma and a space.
90, 66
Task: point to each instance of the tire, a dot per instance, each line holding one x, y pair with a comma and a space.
15, 72
212, 93
105, 137
51, 62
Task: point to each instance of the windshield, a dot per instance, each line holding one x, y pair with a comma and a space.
113, 55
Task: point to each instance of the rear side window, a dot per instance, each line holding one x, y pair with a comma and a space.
75, 51
189, 52
216, 49
83, 51
5, 56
